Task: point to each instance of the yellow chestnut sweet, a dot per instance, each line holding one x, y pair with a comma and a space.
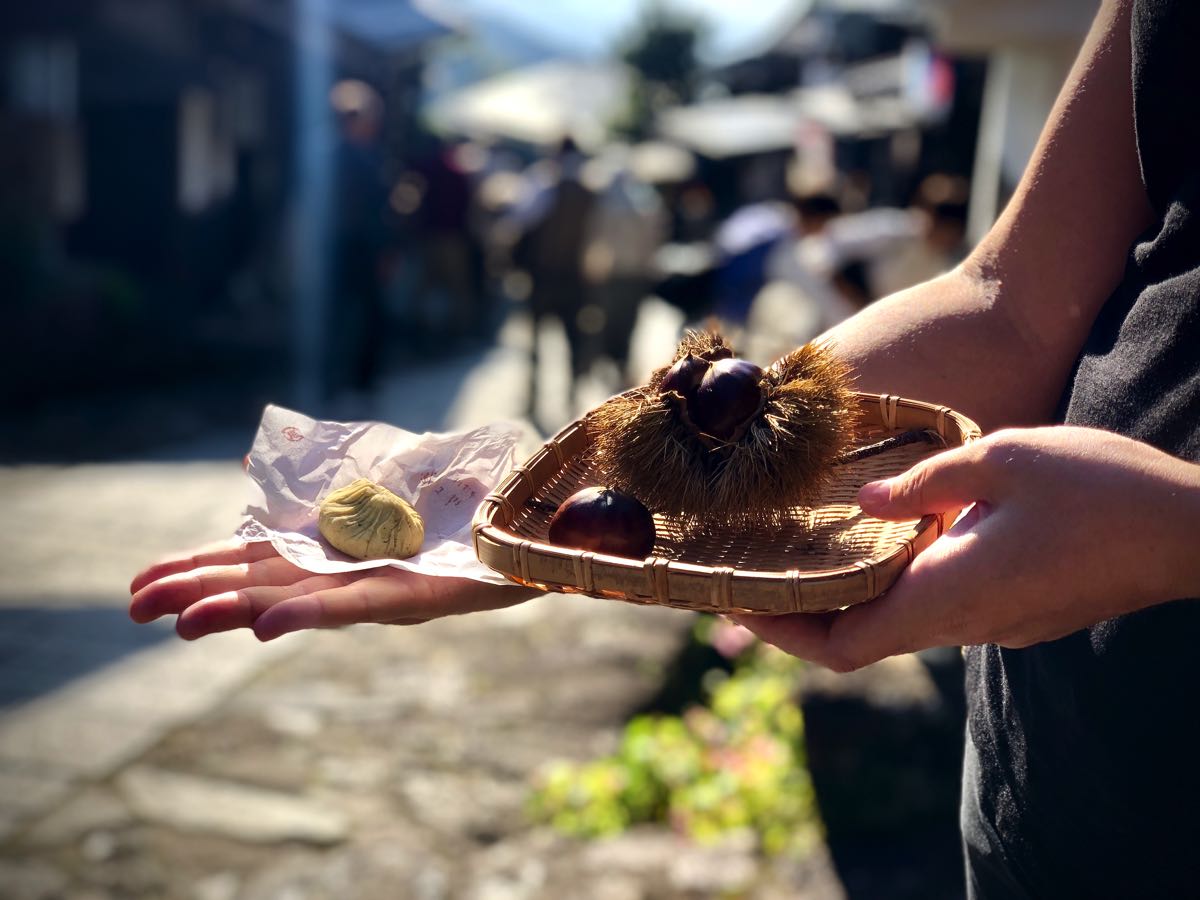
367, 521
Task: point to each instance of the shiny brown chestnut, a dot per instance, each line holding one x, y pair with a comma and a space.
728, 396
604, 520
685, 376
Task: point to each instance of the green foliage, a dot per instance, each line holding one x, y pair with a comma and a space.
662, 54
732, 763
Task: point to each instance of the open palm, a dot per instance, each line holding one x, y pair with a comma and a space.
237, 585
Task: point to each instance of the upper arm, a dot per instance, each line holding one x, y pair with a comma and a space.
997, 337
1059, 249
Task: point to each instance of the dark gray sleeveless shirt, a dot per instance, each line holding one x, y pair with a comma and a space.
1082, 770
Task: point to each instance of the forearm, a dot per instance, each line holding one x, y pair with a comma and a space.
1177, 512
947, 342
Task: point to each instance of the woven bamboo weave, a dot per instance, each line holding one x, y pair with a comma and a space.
824, 558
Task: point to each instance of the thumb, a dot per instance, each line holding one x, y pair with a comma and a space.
948, 481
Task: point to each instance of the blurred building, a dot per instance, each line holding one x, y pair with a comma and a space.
1029, 47
893, 90
826, 37
147, 158
851, 88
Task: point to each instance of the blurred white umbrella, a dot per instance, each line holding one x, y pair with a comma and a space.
539, 104
657, 162
733, 126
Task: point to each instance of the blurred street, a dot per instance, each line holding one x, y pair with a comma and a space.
441, 215
348, 763
328, 764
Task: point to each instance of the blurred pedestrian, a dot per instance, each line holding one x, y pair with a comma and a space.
744, 243
447, 270
809, 260
938, 211
360, 237
553, 224
627, 226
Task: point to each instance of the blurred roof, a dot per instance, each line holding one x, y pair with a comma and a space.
899, 9
734, 126
388, 24
658, 162
763, 123
973, 26
538, 104
838, 109
811, 29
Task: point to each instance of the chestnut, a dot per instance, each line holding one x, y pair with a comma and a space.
605, 521
685, 376
728, 396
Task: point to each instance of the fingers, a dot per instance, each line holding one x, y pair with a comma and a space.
805, 635
841, 641
325, 609
175, 593
234, 585
948, 481
941, 599
926, 607
946, 596
369, 599
222, 553
886, 626
394, 596
239, 608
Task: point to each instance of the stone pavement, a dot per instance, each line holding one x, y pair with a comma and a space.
83, 690
368, 762
381, 762
360, 763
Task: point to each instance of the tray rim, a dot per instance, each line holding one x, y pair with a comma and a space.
686, 585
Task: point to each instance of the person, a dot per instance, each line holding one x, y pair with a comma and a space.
809, 260
936, 243
626, 228
553, 223
744, 243
801, 293
360, 238
1069, 334
447, 280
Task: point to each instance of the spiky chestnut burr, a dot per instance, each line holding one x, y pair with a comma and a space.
658, 446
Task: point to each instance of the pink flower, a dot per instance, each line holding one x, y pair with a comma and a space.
730, 640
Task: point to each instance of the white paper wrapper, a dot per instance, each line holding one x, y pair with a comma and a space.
295, 461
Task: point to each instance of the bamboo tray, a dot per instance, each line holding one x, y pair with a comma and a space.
825, 558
